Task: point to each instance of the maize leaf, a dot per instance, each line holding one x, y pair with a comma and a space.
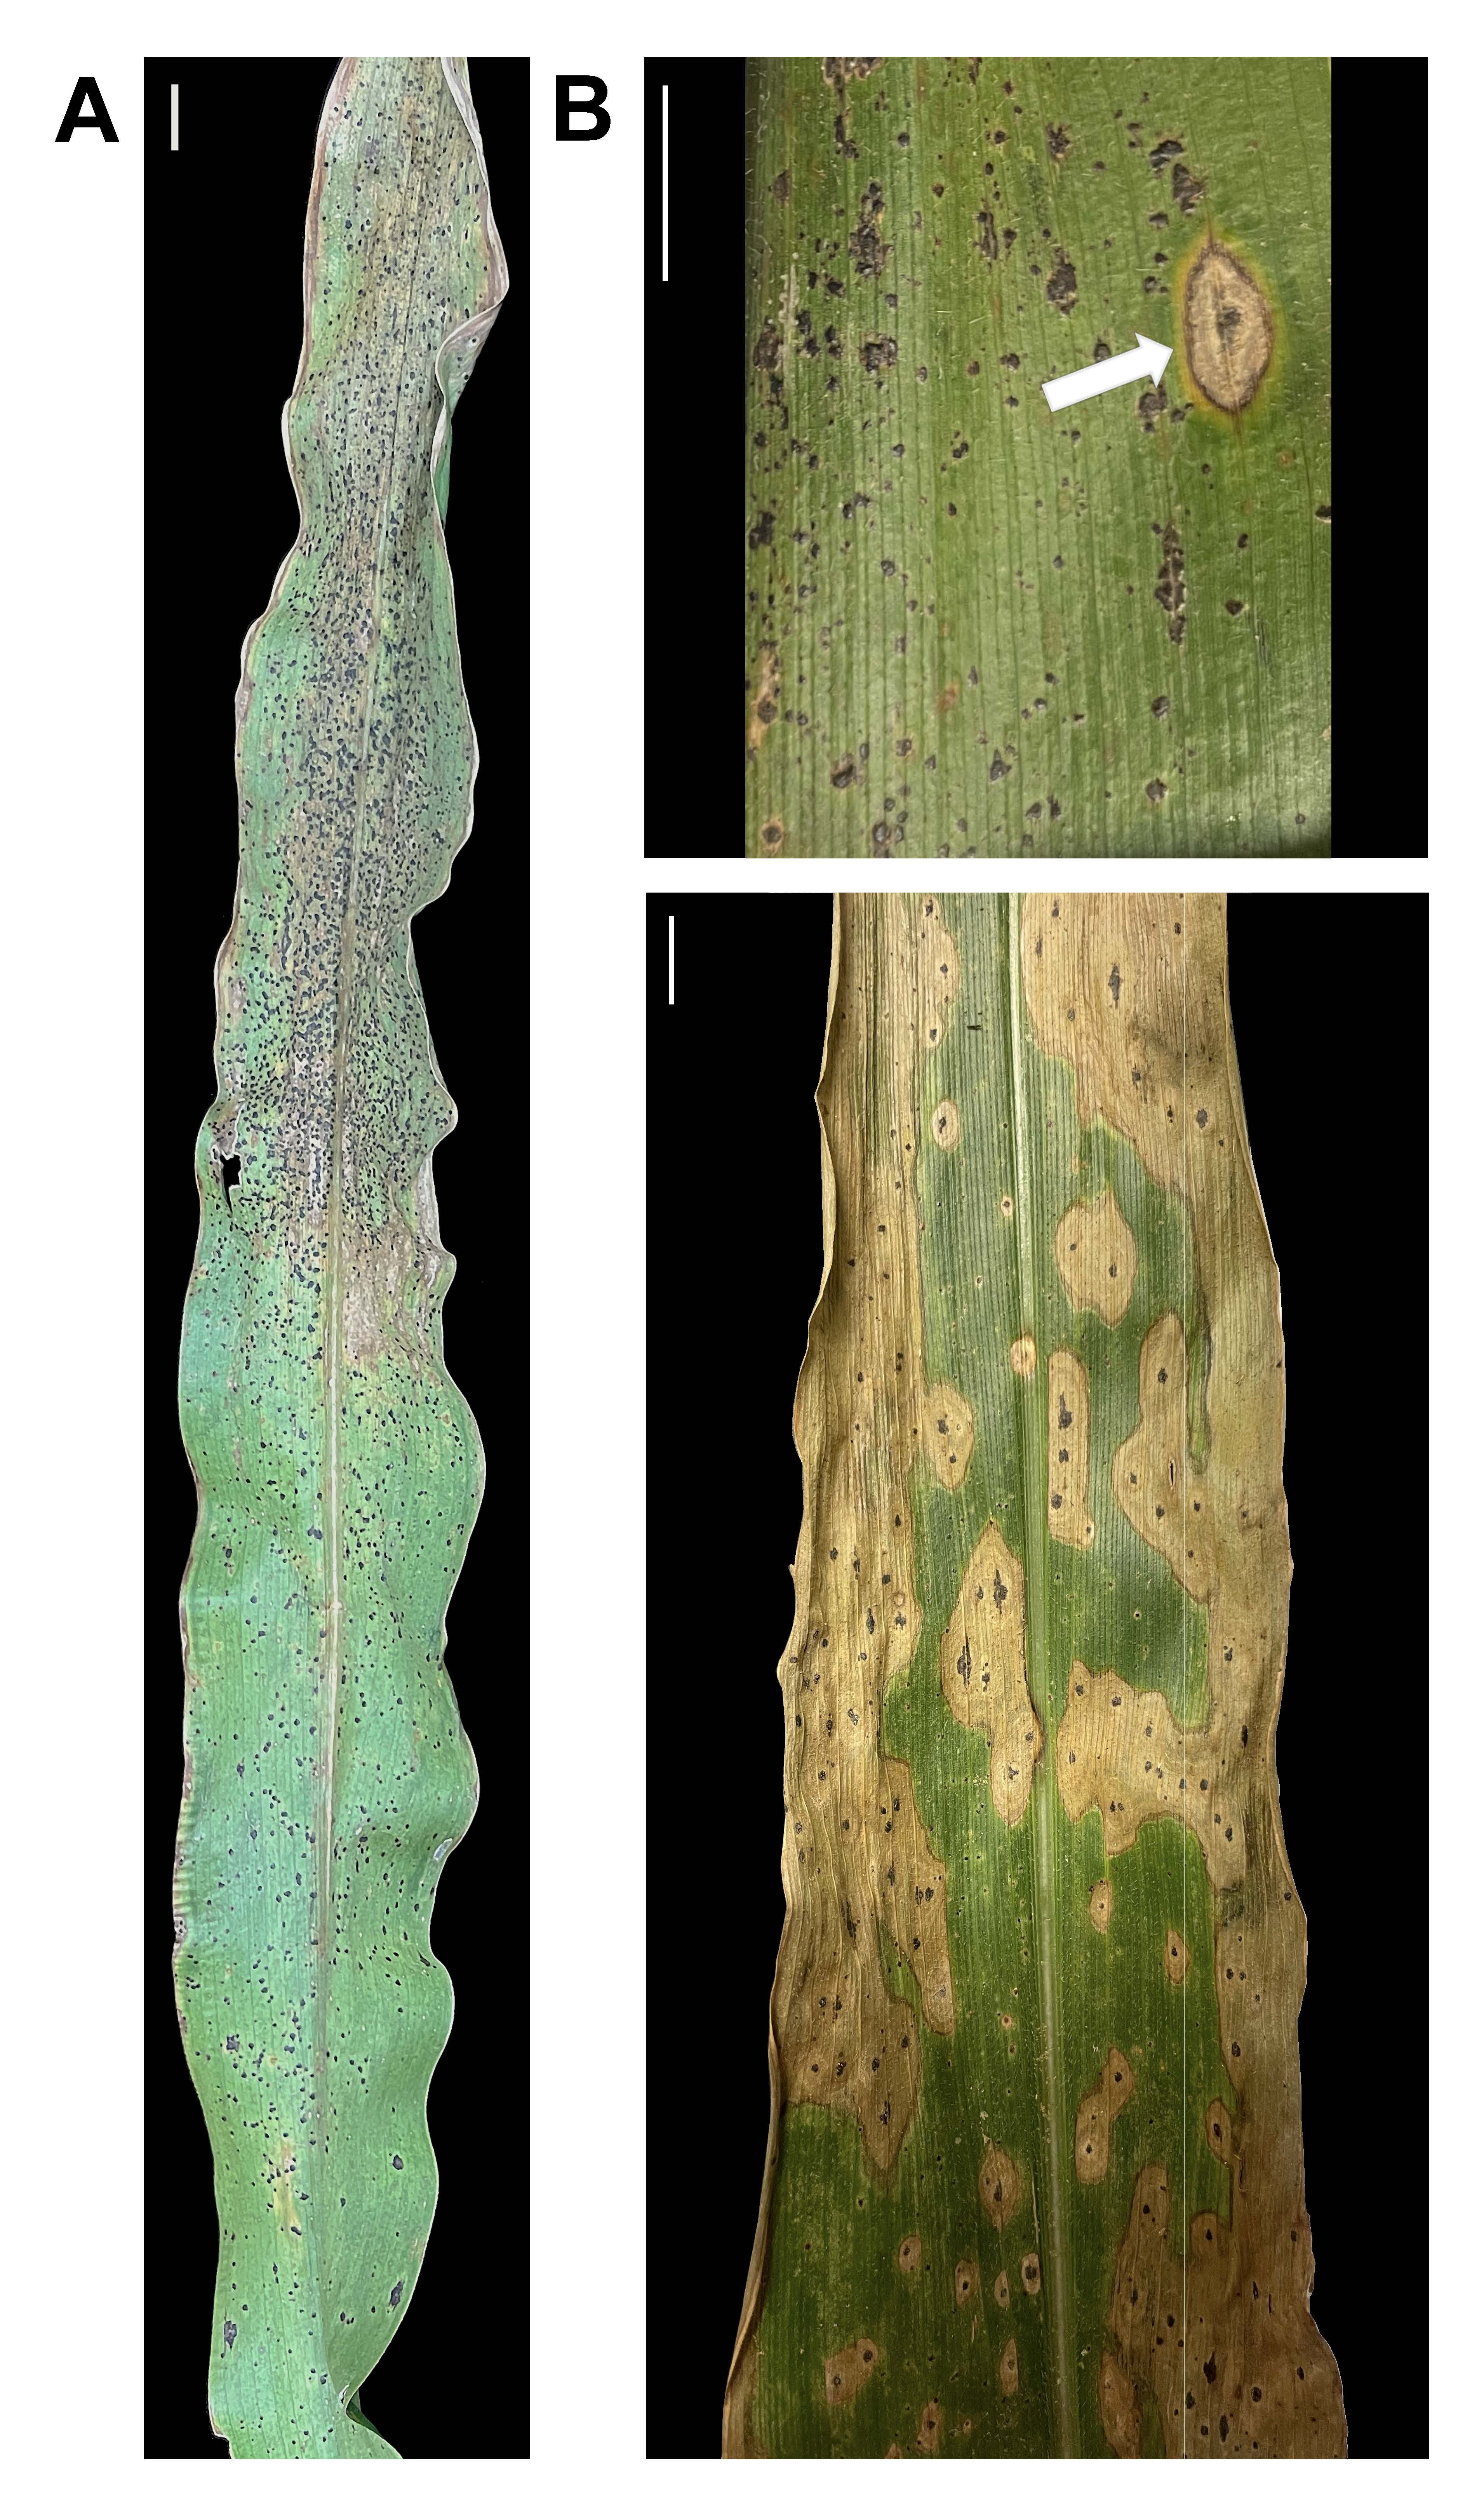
976, 627
328, 1774
1035, 2181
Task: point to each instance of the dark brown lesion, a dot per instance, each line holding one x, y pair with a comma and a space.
1170, 583
865, 244
837, 70
1061, 287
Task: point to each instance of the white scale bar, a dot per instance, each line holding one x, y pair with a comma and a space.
175, 117
665, 222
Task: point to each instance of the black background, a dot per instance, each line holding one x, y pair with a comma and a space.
224, 307
735, 1260
695, 519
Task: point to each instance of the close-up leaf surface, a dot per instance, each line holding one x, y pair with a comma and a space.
1035, 2174
338, 1469
979, 627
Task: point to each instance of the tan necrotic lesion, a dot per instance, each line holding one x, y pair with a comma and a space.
948, 1434
765, 702
937, 971
1096, 1257
1219, 2138
981, 1663
1164, 1500
1228, 328
999, 2186
1097, 2114
1125, 1753
1118, 2402
846, 2371
943, 1126
1066, 1450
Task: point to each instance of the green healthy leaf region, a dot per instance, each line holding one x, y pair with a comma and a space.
978, 627
328, 1774
1035, 2183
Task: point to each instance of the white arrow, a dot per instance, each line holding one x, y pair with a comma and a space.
1148, 360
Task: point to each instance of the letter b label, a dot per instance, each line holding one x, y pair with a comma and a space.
590, 103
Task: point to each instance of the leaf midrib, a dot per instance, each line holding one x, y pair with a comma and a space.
1063, 2422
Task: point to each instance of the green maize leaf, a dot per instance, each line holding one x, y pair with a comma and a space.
327, 1776
1035, 2184
979, 627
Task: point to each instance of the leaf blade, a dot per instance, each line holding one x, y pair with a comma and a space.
1089, 2061
338, 1469
957, 611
